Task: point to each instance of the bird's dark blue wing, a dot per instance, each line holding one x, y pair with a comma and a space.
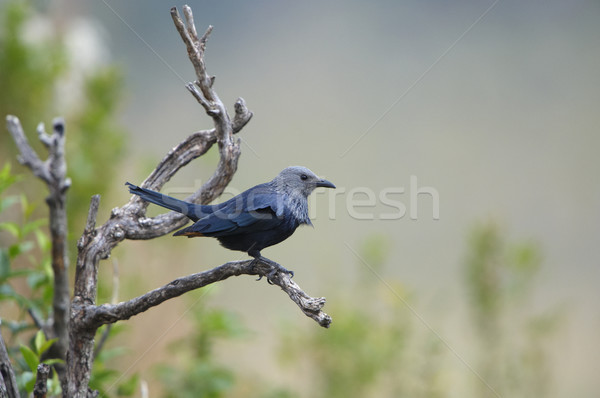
251, 211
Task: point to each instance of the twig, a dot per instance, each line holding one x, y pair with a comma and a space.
39, 323
129, 221
9, 381
28, 157
41, 382
53, 173
90, 223
110, 313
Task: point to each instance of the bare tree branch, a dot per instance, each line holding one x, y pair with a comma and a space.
28, 157
8, 381
40, 323
95, 316
41, 382
53, 173
130, 222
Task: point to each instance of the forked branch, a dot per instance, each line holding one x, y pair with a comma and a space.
110, 313
130, 221
53, 172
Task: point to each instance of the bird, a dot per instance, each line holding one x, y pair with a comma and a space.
259, 217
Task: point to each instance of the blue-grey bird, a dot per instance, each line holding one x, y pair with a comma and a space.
260, 217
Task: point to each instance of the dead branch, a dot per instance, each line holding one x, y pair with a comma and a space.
41, 382
96, 316
53, 173
8, 381
130, 221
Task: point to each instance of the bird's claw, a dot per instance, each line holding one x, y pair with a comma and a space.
276, 268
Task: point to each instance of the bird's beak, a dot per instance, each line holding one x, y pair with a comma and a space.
325, 184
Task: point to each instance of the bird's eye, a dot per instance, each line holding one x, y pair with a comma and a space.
303, 176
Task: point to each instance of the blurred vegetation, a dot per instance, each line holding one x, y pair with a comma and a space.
32, 71
25, 282
26, 289
28, 72
376, 346
513, 344
196, 373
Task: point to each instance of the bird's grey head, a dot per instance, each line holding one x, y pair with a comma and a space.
298, 180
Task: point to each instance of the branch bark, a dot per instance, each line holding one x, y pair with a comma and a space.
8, 381
130, 222
53, 173
41, 382
96, 316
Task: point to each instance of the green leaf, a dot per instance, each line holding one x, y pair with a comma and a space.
129, 387
37, 279
4, 264
41, 344
28, 208
39, 341
34, 225
31, 359
42, 239
46, 345
18, 273
11, 227
7, 292
53, 361
6, 178
26, 381
16, 327
54, 387
7, 202
19, 248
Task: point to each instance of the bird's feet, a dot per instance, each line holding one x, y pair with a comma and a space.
275, 269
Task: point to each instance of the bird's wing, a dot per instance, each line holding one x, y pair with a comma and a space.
241, 214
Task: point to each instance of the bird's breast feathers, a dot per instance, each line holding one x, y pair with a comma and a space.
298, 206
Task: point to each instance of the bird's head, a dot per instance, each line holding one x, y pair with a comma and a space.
298, 180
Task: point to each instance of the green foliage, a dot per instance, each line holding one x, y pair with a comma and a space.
367, 341
28, 72
196, 374
355, 353
29, 76
513, 344
95, 144
373, 348
105, 379
279, 393
24, 254
374, 250
33, 357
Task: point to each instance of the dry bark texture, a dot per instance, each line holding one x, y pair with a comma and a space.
76, 321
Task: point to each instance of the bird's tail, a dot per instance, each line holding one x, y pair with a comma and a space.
192, 210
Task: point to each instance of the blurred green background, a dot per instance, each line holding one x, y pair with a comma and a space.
494, 109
